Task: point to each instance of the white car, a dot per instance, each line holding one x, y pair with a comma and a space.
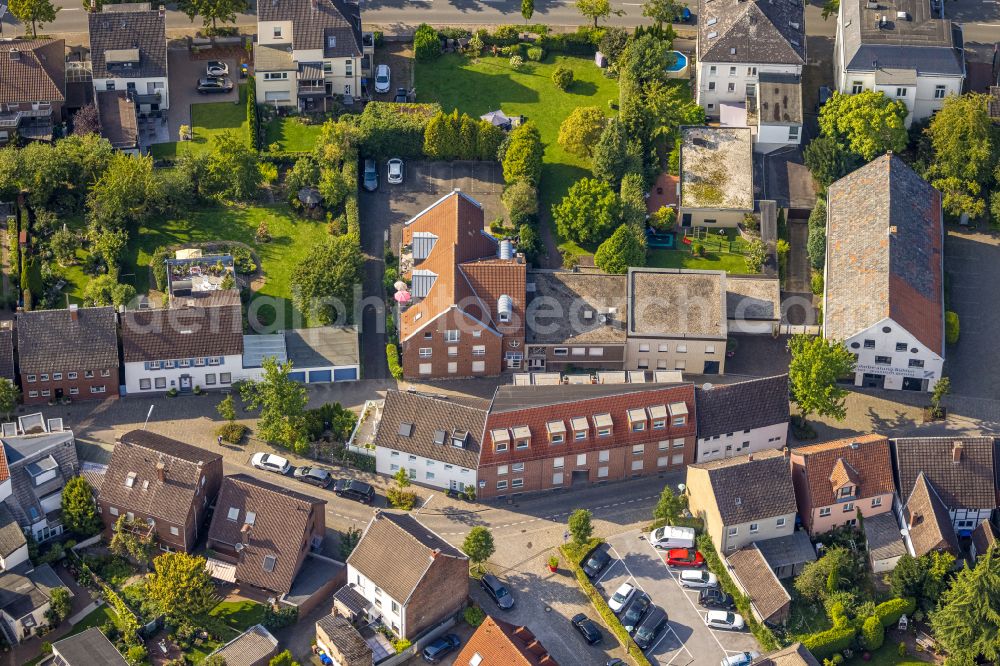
699, 578
741, 659
395, 175
382, 79
621, 597
724, 620
668, 536
270, 462
217, 68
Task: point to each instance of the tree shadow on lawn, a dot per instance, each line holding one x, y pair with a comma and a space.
586, 88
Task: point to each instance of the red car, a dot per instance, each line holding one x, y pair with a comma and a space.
684, 557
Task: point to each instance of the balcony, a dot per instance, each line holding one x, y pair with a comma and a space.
15, 113
311, 88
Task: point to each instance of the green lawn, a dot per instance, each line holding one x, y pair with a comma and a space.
240, 615
292, 237
291, 134
207, 120
486, 84
888, 655
722, 252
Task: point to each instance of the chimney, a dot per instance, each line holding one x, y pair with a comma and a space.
161, 471
914, 519
749, 457
956, 452
245, 533
787, 451
435, 553
163, 11
74, 312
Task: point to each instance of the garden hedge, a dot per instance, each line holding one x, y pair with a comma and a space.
426, 45
951, 327
573, 556
872, 633
827, 643
392, 356
889, 612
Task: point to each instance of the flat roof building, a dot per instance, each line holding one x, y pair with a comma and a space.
716, 167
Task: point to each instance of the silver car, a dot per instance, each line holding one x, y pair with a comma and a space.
395, 175
382, 79
216, 68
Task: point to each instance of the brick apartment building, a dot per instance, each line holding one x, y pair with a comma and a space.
465, 316
69, 353
546, 437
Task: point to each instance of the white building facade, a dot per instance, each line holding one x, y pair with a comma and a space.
426, 471
183, 374
888, 355
748, 440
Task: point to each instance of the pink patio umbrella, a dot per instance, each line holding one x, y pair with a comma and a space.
402, 296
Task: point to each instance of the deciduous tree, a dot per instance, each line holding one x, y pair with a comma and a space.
624, 248
815, 367
582, 129
588, 212
527, 9
869, 123
662, 11
829, 160
670, 507
213, 11
86, 121
478, 545
281, 402
964, 140
106, 290
10, 394
233, 169
521, 155
616, 154
34, 13
180, 586
580, 526
79, 510
323, 284
521, 202
594, 9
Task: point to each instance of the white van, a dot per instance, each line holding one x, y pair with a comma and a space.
668, 537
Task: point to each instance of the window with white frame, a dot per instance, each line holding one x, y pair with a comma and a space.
824, 512
557, 463
502, 485
451, 336
602, 472
637, 465
604, 456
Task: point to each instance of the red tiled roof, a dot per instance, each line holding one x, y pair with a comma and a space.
500, 643
826, 466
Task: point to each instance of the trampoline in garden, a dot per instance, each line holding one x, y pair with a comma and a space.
660, 240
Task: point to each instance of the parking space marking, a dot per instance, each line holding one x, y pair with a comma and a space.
669, 626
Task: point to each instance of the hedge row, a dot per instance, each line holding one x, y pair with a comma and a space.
764, 635
827, 643
889, 612
574, 556
253, 120
824, 644
392, 356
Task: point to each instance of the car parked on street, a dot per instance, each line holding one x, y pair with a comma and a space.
667, 537
395, 171
370, 177
497, 591
684, 557
439, 647
650, 627
718, 619
621, 597
699, 579
713, 597
634, 611
596, 561
314, 476
587, 628
216, 68
382, 79
270, 462
358, 491
741, 659
214, 84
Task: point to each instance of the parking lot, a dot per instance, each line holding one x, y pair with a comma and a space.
184, 72
687, 640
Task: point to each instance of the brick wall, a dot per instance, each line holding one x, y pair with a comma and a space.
83, 385
442, 592
463, 360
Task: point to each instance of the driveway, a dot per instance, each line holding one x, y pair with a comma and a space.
383, 213
184, 72
399, 57
972, 265
687, 640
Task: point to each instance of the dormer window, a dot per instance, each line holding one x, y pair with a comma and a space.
557, 431
580, 428
678, 413
603, 423
522, 437
847, 491
458, 438
277, 32
658, 416
501, 439
637, 419
130, 480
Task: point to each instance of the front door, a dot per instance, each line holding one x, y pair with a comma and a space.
913, 384
59, 394
185, 382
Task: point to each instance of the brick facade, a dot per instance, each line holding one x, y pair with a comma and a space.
442, 591
103, 384
464, 359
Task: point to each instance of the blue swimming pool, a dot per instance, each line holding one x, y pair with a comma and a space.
680, 62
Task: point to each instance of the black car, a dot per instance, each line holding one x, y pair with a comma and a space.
497, 591
439, 647
214, 84
315, 476
587, 628
713, 597
595, 562
400, 97
650, 627
355, 490
634, 611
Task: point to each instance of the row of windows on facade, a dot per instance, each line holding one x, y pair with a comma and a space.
859, 87
451, 335
887, 360
755, 527
327, 65
113, 510
655, 417
57, 376
751, 71
427, 461
147, 384
428, 352
428, 368
73, 390
184, 363
847, 507
151, 87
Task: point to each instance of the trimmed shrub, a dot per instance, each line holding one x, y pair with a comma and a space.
474, 616
827, 643
426, 45
253, 120
562, 77
506, 35
392, 356
951, 327
889, 612
536, 53
231, 433
872, 633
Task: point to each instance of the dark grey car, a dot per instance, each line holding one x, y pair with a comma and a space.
497, 591
634, 611
650, 627
314, 476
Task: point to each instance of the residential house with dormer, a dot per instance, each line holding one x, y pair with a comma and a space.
32, 88
743, 499
308, 52
161, 483
410, 577
927, 523
265, 530
128, 52
837, 481
741, 41
462, 314
905, 49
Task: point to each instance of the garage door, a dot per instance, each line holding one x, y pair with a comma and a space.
297, 376
319, 376
345, 374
